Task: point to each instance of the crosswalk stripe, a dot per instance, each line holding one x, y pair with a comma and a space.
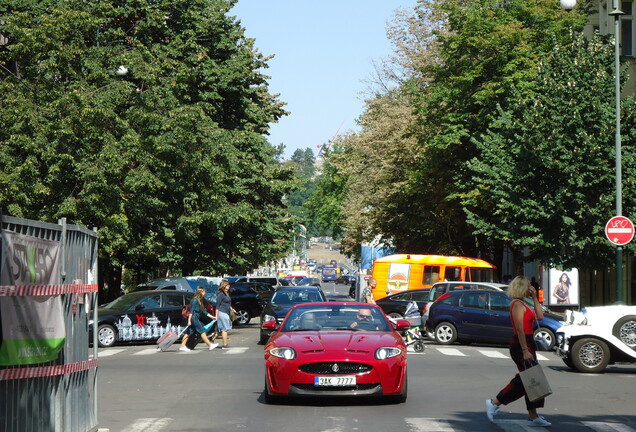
514, 425
148, 351
608, 427
148, 425
493, 354
106, 353
428, 425
451, 351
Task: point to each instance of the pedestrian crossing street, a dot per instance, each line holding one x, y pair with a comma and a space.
430, 349
415, 424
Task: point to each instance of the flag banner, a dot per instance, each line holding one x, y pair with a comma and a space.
32, 327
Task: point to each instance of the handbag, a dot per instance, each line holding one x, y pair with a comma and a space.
232, 315
535, 382
185, 311
540, 341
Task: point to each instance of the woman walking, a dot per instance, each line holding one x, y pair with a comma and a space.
522, 350
194, 321
223, 308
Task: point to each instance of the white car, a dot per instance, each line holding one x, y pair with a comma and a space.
597, 336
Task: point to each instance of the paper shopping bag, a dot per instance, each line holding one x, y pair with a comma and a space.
535, 382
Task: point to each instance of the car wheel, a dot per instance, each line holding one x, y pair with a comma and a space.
418, 346
590, 355
270, 399
264, 339
395, 315
625, 330
445, 333
242, 317
568, 362
547, 335
106, 336
401, 398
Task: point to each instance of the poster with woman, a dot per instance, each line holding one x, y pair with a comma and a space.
564, 287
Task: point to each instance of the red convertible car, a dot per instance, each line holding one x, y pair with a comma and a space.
336, 349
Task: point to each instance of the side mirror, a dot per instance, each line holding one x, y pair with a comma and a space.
270, 325
402, 324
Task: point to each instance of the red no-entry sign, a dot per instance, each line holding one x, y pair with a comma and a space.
619, 230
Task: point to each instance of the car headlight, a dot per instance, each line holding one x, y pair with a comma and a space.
387, 352
268, 318
283, 352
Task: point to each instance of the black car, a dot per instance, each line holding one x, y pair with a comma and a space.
309, 281
248, 299
395, 305
141, 316
345, 279
283, 300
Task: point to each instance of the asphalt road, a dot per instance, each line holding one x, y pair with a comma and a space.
141, 389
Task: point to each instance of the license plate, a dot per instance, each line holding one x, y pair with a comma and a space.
335, 381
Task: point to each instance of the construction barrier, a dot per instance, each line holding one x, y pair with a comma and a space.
48, 293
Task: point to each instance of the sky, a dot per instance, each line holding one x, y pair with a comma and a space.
323, 54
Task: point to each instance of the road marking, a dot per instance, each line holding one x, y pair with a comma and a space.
515, 425
451, 352
148, 351
542, 358
236, 350
608, 427
428, 425
106, 353
493, 354
148, 425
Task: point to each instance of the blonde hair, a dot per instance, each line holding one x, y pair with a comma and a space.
199, 294
518, 288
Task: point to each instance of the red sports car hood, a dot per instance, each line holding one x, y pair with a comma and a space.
337, 340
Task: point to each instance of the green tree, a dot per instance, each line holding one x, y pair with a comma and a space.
168, 160
544, 177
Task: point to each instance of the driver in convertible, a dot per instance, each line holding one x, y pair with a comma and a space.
364, 321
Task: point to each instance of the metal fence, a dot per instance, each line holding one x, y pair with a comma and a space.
59, 395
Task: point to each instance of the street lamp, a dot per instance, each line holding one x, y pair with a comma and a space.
616, 13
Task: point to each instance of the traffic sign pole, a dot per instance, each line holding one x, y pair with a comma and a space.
620, 231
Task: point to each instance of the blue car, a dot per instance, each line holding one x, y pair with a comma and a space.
481, 316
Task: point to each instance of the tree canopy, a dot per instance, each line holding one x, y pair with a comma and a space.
146, 119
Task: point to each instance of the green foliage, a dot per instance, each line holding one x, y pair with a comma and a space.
168, 161
544, 177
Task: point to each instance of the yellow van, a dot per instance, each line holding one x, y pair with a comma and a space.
396, 273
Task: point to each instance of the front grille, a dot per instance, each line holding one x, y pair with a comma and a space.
335, 368
359, 387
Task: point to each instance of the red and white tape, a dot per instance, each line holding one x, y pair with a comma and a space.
45, 290
46, 371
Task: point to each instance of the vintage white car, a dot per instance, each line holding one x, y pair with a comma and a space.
597, 336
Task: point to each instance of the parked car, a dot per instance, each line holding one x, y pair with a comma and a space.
168, 283
284, 282
481, 316
598, 336
272, 280
247, 299
140, 316
440, 288
345, 279
316, 352
395, 304
309, 281
209, 283
282, 301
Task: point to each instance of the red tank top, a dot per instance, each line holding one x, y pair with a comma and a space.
528, 318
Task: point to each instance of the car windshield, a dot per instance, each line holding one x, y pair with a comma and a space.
336, 317
289, 297
124, 302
